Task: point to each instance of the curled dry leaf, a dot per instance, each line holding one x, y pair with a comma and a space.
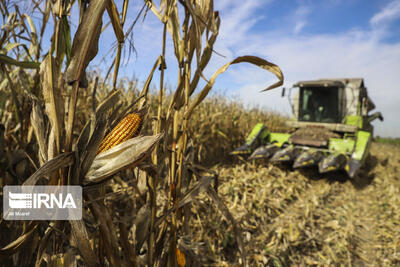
62, 160
262, 63
142, 224
130, 152
17, 243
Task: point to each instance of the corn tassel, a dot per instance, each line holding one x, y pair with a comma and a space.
127, 128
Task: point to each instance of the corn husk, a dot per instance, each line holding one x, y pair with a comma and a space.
128, 153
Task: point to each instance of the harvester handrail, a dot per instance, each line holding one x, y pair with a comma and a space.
338, 127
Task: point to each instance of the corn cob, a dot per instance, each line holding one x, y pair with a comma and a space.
127, 128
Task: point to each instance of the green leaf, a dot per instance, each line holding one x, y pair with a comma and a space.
23, 64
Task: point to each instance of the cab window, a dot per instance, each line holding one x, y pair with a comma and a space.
319, 104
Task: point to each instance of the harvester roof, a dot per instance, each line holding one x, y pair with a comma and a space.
338, 82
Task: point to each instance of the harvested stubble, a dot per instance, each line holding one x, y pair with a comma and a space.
294, 218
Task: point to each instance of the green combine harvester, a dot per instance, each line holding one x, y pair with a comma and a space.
331, 128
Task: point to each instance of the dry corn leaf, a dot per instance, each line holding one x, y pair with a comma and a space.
85, 44
64, 40
173, 27
146, 86
202, 17
142, 224
43, 243
50, 166
108, 233
195, 31
132, 151
46, 16
14, 246
34, 47
262, 63
206, 56
115, 21
81, 237
93, 144
156, 12
52, 87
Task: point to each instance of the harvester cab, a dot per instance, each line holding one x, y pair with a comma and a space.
331, 128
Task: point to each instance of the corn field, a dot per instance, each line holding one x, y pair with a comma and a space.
59, 126
159, 188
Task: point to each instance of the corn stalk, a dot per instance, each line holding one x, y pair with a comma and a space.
187, 40
106, 157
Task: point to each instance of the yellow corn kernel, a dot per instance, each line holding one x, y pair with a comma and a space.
180, 258
127, 128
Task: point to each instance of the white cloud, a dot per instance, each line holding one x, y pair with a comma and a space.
389, 13
302, 11
353, 53
299, 26
237, 19
300, 17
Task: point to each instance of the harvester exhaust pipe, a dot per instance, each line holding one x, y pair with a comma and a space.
333, 162
307, 158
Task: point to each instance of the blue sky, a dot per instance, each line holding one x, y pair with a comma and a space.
308, 39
